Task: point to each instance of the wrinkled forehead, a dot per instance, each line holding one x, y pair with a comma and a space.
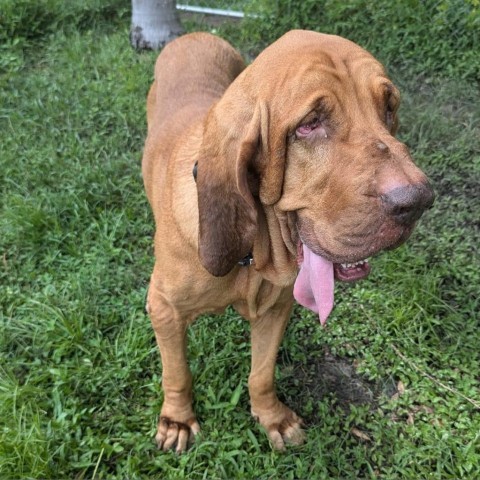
302, 60
330, 50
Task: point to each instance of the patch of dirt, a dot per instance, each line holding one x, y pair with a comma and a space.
329, 375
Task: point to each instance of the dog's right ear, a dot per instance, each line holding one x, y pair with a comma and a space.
227, 212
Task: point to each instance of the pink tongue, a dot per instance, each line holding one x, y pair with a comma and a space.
314, 285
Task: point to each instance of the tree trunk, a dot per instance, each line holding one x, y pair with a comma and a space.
154, 23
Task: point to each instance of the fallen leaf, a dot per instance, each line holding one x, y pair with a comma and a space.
436, 422
424, 409
394, 417
410, 418
360, 435
400, 388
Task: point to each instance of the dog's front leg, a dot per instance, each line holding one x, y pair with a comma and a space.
177, 424
282, 424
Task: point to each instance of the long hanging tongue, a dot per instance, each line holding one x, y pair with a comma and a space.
314, 284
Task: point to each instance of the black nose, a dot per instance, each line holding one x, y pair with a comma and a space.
406, 204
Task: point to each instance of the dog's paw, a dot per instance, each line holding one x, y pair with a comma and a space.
178, 435
283, 426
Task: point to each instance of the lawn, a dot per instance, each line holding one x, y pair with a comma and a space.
389, 389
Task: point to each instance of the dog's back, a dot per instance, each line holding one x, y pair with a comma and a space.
191, 74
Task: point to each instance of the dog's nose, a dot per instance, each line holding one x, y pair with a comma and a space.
407, 203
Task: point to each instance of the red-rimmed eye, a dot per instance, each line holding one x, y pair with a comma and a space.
389, 117
391, 97
308, 128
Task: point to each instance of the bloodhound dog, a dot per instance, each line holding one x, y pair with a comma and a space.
267, 182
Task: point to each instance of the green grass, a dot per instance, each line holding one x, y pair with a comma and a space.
440, 37
79, 368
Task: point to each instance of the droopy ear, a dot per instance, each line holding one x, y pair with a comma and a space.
273, 154
227, 213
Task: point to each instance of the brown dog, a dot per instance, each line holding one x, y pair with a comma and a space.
298, 168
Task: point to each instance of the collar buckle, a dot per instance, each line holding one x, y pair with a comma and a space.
246, 261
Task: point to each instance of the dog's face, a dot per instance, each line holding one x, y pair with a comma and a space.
322, 125
351, 184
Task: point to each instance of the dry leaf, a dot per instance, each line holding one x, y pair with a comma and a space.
360, 435
424, 409
400, 387
394, 417
436, 422
410, 418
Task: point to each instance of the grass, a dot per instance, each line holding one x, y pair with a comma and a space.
79, 368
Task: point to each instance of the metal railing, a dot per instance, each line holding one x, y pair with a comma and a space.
210, 11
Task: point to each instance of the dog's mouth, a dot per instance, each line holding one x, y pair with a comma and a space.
319, 267
344, 272
351, 272
314, 286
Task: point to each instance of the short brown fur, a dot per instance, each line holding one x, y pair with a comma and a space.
260, 188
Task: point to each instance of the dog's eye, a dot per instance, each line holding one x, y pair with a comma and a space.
389, 115
314, 125
391, 104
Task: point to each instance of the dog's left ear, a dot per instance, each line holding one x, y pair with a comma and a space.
227, 212
393, 102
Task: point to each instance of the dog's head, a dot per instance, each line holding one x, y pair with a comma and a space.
309, 127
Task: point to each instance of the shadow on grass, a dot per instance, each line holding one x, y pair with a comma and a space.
331, 376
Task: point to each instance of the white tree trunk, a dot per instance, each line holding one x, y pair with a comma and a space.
154, 23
